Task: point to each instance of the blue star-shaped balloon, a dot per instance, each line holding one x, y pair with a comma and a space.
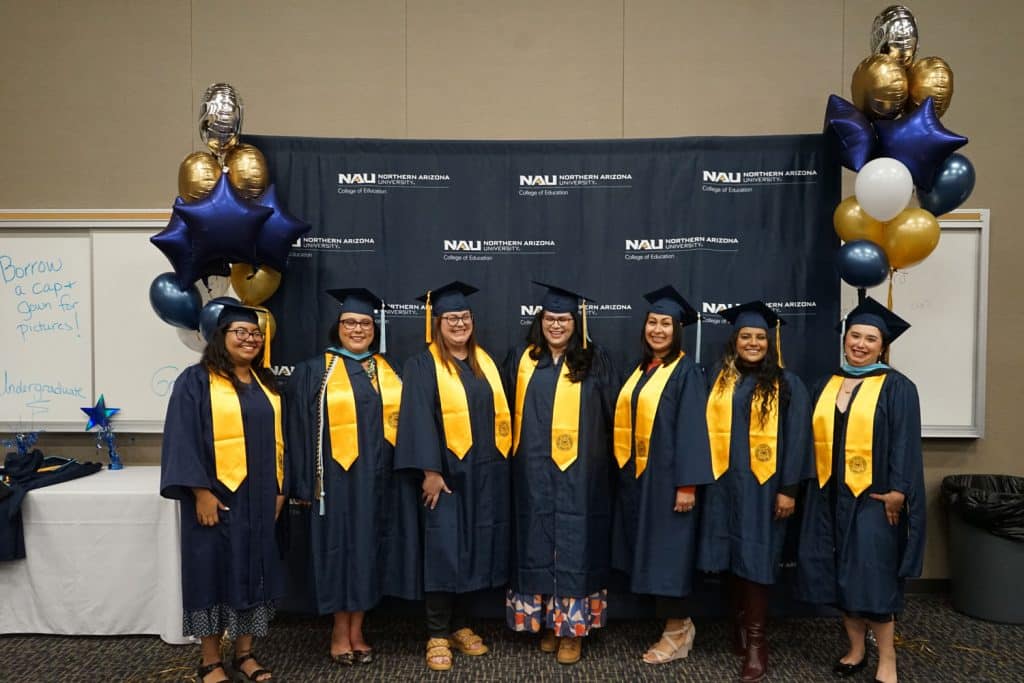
100, 414
222, 225
278, 233
920, 142
854, 131
176, 244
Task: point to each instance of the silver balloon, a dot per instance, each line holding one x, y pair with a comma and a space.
220, 117
894, 33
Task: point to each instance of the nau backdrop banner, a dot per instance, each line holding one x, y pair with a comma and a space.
724, 220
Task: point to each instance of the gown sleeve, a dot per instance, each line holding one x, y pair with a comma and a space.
798, 463
300, 412
692, 448
182, 456
419, 441
906, 471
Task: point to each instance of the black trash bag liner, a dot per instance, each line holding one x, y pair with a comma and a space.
993, 502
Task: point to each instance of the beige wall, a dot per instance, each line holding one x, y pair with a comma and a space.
98, 102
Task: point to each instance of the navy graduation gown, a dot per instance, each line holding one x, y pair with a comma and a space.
849, 555
353, 544
236, 562
738, 530
655, 545
461, 545
562, 519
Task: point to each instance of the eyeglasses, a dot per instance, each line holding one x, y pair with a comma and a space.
241, 334
456, 320
552, 321
351, 324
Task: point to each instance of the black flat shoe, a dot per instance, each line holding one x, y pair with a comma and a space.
344, 658
364, 656
844, 670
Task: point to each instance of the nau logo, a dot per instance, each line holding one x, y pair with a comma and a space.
721, 177
357, 178
708, 307
537, 180
645, 245
462, 245
530, 310
282, 370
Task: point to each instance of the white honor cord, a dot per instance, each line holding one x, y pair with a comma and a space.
697, 354
320, 434
383, 333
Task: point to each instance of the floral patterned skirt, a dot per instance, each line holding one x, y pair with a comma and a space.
567, 617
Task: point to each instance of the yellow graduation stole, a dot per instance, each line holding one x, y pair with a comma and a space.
341, 407
458, 433
860, 429
646, 408
763, 439
229, 437
565, 415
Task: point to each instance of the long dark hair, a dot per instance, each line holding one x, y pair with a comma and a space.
578, 359
765, 373
674, 349
446, 356
217, 360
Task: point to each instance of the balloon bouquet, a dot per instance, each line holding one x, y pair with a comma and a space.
227, 228
891, 136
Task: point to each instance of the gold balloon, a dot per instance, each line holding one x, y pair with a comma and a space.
879, 87
197, 175
931, 77
853, 223
910, 237
247, 170
254, 286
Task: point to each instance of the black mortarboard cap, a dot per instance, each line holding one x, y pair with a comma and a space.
668, 301
233, 313
752, 314
559, 300
870, 312
357, 300
448, 298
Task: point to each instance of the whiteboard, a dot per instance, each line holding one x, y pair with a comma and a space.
45, 329
945, 299
137, 356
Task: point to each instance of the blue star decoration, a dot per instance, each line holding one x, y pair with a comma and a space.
222, 225
100, 414
853, 131
920, 142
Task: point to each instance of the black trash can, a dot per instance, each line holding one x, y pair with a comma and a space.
986, 545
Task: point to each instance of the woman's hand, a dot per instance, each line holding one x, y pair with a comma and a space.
685, 500
278, 504
207, 506
433, 485
784, 506
893, 504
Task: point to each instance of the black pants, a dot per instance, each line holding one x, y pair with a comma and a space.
446, 612
671, 608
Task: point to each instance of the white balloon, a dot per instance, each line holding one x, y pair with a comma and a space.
883, 188
216, 285
191, 338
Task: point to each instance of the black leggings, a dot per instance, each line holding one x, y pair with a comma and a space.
446, 612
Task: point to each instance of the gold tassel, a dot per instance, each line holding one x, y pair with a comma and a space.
263, 317
892, 274
428, 335
584, 303
778, 342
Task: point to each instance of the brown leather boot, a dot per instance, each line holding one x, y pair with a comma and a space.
739, 629
755, 660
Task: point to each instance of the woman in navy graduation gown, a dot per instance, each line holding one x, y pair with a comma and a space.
561, 464
661, 446
863, 528
759, 426
223, 458
456, 431
342, 409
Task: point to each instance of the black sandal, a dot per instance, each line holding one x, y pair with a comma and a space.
344, 658
204, 670
364, 656
240, 675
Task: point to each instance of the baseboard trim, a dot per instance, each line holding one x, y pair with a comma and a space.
928, 586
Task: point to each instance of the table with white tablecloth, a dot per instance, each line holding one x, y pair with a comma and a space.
102, 558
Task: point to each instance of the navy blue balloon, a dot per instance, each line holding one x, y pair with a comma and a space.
862, 263
920, 142
172, 304
278, 234
222, 225
852, 129
953, 185
211, 311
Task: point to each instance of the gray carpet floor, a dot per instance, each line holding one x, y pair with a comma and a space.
936, 644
